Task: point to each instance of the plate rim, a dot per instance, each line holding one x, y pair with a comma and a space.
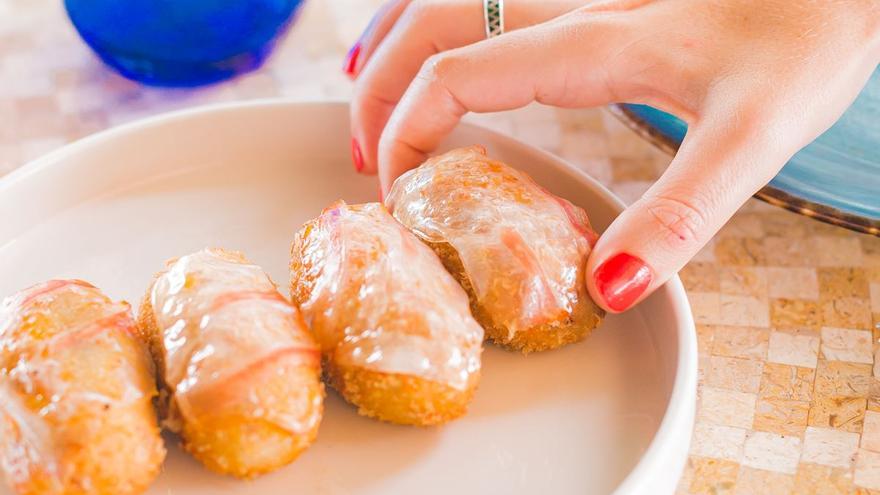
769, 194
675, 428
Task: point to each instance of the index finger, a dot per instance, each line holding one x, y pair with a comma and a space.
499, 74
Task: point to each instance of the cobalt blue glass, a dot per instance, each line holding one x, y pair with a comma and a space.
181, 42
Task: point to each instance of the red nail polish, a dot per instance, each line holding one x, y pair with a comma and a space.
356, 155
351, 59
621, 279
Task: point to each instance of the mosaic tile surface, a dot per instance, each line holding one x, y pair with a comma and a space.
788, 309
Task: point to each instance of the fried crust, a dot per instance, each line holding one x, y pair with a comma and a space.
228, 442
573, 328
398, 398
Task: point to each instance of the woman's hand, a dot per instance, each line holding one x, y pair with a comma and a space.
756, 80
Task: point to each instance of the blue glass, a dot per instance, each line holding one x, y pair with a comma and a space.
840, 169
181, 42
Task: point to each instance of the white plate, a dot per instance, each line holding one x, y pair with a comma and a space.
612, 413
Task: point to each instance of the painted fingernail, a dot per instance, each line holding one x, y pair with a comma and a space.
351, 59
356, 155
621, 279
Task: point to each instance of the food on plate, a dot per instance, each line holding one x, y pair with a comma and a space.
519, 251
239, 372
394, 328
76, 394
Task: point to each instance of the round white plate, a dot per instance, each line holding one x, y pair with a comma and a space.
611, 414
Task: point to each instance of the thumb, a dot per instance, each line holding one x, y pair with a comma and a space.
718, 167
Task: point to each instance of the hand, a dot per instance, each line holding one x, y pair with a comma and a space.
756, 80
401, 36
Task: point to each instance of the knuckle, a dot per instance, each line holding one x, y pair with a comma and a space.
682, 221
439, 75
437, 67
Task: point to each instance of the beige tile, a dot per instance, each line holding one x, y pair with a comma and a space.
744, 311
871, 431
788, 251
874, 393
847, 312
742, 342
255, 85
743, 281
792, 283
712, 476
842, 282
739, 251
783, 381
743, 225
867, 472
870, 247
842, 379
703, 366
841, 344
829, 447
43, 104
795, 313
783, 416
580, 121
875, 297
706, 254
759, 481
684, 482
719, 442
781, 223
755, 205
842, 413
815, 479
706, 307
793, 349
877, 362
705, 338
826, 229
700, 277
743, 375
631, 169
626, 145
771, 451
837, 251
726, 407
864, 491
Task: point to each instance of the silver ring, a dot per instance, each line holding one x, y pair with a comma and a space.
493, 13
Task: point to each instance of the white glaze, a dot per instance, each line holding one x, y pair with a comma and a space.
380, 299
524, 250
220, 317
46, 333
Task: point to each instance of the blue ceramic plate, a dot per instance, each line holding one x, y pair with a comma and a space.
835, 179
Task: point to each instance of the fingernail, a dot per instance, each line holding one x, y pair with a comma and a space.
621, 279
356, 155
351, 59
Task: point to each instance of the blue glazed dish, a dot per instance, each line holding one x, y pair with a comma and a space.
181, 42
835, 179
